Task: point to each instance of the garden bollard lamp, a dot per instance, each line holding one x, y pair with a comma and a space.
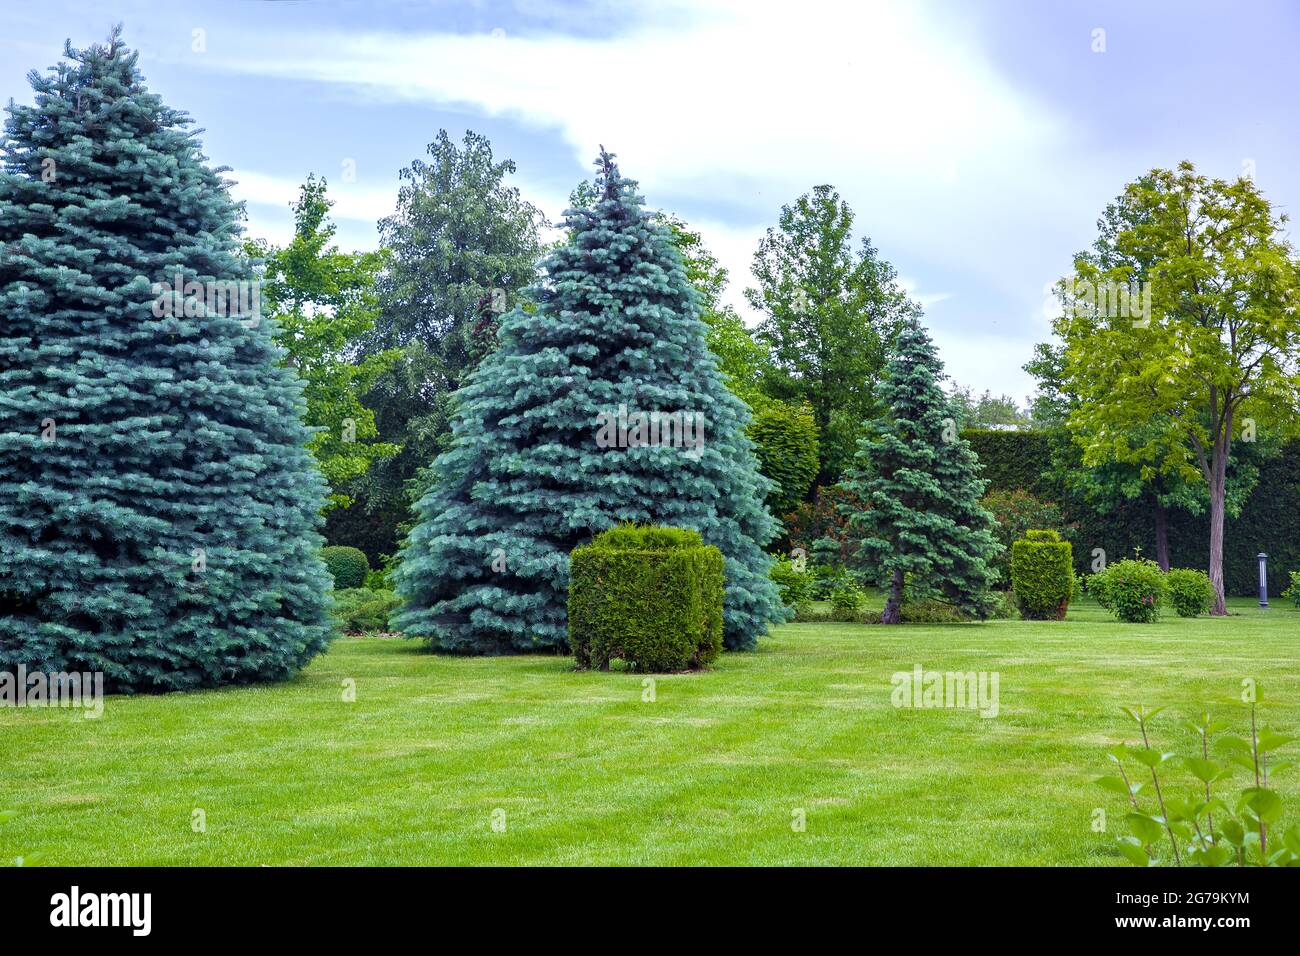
1263, 579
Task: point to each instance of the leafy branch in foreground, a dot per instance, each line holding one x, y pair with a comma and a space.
1202, 829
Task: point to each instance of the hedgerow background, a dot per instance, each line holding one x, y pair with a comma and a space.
1269, 521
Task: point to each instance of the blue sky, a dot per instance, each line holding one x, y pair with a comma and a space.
977, 141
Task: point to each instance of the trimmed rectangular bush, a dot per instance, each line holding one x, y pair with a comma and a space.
1042, 575
650, 596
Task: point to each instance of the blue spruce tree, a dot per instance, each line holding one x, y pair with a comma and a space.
158, 506
602, 406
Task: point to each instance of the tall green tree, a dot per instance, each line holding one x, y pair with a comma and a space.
464, 243
918, 487
988, 410
741, 358
1217, 360
324, 301
554, 441
158, 504
830, 312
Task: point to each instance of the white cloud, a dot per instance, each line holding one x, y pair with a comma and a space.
351, 201
739, 107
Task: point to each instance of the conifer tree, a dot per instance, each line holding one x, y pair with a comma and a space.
158, 504
918, 483
554, 441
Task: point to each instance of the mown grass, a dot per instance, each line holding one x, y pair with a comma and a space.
587, 772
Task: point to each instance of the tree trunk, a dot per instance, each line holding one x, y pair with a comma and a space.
894, 604
1218, 487
1162, 536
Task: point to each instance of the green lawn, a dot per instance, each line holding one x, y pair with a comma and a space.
586, 772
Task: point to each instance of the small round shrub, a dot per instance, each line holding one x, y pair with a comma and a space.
348, 566
793, 580
1042, 575
1190, 591
1133, 590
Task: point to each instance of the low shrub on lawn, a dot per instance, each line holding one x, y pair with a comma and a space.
1190, 591
348, 566
846, 601
828, 578
929, 611
649, 596
364, 611
793, 580
1133, 590
1042, 575
1293, 589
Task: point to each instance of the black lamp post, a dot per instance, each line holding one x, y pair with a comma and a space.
1263, 579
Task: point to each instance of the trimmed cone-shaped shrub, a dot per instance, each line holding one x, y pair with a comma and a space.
158, 505
649, 596
347, 566
602, 406
1042, 575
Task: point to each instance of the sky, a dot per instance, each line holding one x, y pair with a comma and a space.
977, 141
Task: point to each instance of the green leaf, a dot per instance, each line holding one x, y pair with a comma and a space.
1178, 809
1153, 758
1145, 828
1264, 803
7, 815
1114, 784
1217, 806
1133, 850
1232, 831
1291, 838
1268, 740
1204, 770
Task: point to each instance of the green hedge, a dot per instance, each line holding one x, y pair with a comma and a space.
649, 596
1042, 575
1270, 520
1015, 460
347, 565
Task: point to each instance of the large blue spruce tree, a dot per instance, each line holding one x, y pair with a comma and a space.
158, 506
561, 433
